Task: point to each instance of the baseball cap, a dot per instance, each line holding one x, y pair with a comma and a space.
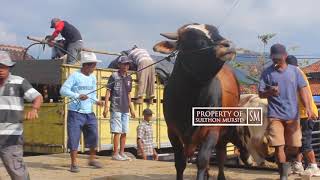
292, 60
53, 22
88, 57
147, 112
277, 51
124, 59
5, 59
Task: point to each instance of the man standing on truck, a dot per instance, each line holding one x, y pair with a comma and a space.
80, 87
118, 90
71, 35
146, 77
13, 91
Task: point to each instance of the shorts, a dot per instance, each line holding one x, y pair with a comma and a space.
119, 122
284, 132
306, 128
77, 123
149, 157
12, 158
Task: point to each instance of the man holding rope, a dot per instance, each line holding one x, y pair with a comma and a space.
71, 35
81, 88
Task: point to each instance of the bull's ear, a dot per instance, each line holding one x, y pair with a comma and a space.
165, 47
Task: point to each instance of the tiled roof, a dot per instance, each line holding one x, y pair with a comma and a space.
16, 52
314, 67
315, 89
315, 86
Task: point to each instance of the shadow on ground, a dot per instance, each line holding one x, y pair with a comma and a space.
164, 177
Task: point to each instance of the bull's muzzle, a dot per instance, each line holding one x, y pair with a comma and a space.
225, 50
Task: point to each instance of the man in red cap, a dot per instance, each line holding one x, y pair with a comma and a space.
71, 35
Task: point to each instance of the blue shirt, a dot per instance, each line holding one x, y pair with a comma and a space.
290, 80
77, 84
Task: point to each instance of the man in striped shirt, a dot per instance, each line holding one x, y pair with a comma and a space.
146, 77
13, 91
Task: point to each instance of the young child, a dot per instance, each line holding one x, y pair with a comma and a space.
145, 137
118, 90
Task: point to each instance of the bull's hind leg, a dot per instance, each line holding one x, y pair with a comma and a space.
205, 154
179, 156
244, 153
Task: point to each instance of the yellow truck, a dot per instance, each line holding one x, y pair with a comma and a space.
48, 133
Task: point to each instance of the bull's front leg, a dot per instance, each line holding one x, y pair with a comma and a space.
179, 156
221, 157
205, 154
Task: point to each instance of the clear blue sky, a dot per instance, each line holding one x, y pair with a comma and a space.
119, 24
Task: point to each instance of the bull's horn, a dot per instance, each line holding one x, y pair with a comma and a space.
172, 36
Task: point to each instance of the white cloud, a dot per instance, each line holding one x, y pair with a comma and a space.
117, 25
6, 36
290, 19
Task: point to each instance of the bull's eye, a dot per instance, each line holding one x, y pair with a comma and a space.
203, 43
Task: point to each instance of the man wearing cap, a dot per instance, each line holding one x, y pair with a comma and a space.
71, 35
80, 87
280, 84
145, 137
118, 90
13, 91
306, 128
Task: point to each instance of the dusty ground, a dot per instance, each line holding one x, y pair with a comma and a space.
55, 167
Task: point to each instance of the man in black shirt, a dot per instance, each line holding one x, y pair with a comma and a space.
71, 35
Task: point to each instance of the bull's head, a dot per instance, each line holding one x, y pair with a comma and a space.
193, 38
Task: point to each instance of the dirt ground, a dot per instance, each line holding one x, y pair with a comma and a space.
56, 167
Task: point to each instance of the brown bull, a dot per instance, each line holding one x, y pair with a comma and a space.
199, 78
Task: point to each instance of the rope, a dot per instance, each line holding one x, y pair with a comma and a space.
236, 2
77, 99
54, 44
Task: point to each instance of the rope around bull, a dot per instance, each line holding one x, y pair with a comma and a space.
172, 54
